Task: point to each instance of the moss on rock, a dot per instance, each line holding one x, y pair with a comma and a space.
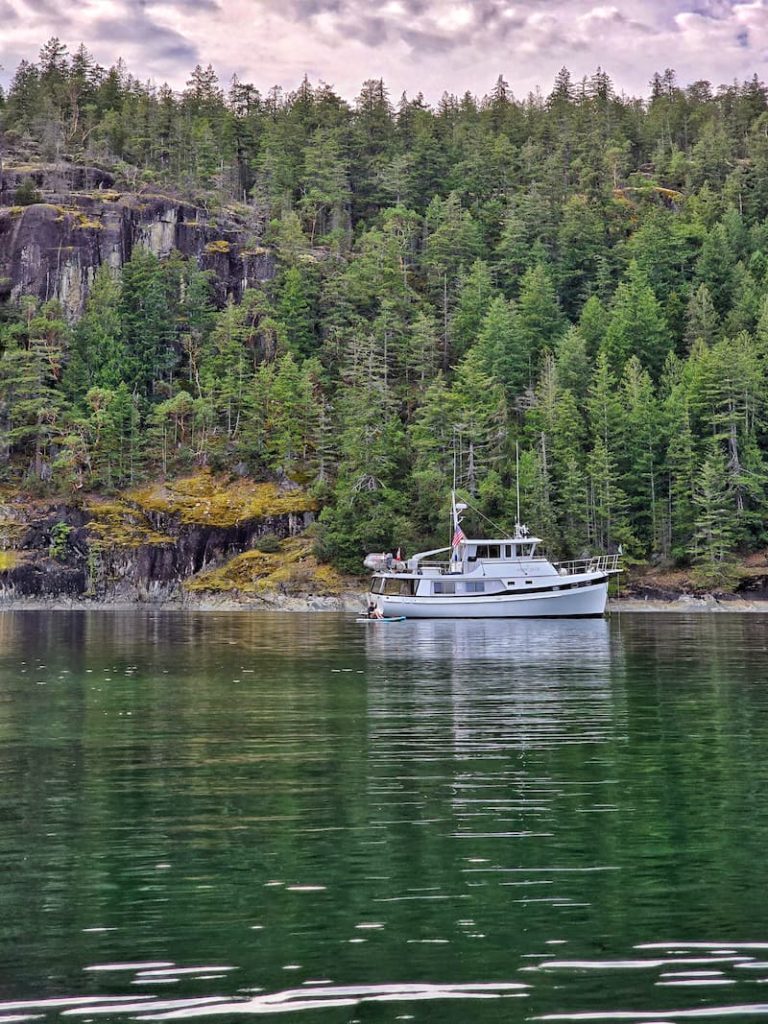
118, 524
293, 569
208, 500
9, 560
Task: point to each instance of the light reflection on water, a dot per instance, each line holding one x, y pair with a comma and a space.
210, 815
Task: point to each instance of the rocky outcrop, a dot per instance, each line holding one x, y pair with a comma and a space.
52, 249
150, 544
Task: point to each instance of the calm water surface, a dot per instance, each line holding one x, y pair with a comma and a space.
218, 815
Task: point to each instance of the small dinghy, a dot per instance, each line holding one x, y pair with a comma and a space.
390, 618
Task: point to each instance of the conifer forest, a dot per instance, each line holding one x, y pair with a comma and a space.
577, 276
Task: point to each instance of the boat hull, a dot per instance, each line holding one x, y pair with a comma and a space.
582, 602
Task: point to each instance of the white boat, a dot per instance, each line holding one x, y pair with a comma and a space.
481, 578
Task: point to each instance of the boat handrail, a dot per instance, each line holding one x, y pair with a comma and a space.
594, 563
573, 567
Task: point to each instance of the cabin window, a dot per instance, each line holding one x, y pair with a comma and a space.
488, 551
397, 588
529, 583
508, 551
474, 587
443, 587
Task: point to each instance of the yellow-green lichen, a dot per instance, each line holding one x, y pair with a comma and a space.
119, 524
291, 570
208, 500
9, 560
219, 247
85, 223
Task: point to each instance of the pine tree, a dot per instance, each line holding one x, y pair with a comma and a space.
703, 323
713, 544
146, 324
593, 324
581, 242
327, 193
502, 348
574, 369
608, 503
98, 357
452, 243
112, 431
31, 401
637, 325
640, 453
540, 318
476, 291
681, 469
295, 312
480, 424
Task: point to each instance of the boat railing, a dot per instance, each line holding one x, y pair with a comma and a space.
574, 567
597, 563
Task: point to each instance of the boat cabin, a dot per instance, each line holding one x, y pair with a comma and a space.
498, 550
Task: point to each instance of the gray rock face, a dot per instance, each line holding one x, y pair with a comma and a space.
53, 249
151, 572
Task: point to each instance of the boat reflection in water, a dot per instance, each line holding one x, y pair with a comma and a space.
504, 685
515, 642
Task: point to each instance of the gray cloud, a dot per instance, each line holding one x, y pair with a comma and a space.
424, 42
211, 6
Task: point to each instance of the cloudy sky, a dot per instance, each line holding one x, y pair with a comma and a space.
427, 45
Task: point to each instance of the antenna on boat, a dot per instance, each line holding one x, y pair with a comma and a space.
517, 485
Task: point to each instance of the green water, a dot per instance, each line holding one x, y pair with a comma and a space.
234, 814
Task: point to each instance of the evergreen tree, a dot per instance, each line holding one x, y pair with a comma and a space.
475, 293
146, 328
480, 424
636, 326
702, 322
713, 544
98, 357
295, 312
541, 321
31, 401
502, 349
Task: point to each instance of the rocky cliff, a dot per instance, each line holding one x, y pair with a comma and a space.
85, 218
201, 535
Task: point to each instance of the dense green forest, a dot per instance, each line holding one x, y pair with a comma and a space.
582, 273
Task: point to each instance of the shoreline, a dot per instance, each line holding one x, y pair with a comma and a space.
686, 604
352, 602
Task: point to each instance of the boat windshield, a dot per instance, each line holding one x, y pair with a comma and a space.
489, 552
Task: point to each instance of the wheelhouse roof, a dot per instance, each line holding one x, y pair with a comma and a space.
502, 540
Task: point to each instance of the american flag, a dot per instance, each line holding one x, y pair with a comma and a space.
458, 537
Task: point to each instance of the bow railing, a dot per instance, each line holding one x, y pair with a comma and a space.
597, 563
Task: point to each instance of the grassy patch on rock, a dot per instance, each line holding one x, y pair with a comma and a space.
219, 247
208, 500
118, 524
292, 569
9, 560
